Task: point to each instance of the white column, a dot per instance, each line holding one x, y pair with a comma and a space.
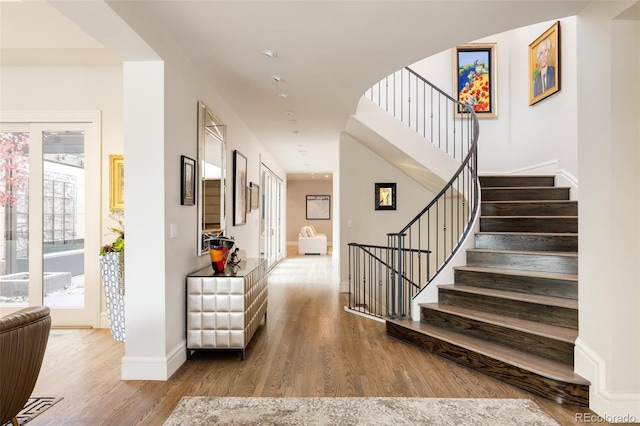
608, 349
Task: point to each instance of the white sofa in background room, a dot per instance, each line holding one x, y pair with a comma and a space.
311, 242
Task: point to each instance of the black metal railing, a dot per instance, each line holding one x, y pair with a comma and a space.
384, 280
380, 281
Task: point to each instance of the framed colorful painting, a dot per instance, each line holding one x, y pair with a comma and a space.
474, 78
116, 183
544, 65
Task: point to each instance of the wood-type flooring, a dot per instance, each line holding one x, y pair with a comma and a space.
310, 346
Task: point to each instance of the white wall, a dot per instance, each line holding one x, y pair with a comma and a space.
532, 139
359, 221
608, 349
297, 190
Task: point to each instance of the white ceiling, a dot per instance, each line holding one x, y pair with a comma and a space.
328, 53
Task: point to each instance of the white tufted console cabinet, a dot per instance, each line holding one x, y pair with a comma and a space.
225, 309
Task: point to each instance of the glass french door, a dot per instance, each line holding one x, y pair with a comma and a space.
272, 245
46, 251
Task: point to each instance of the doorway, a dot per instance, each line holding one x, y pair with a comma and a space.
271, 213
49, 216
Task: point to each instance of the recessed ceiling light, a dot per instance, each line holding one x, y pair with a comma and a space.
277, 78
283, 95
269, 53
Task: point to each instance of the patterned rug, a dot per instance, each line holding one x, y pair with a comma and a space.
357, 411
33, 408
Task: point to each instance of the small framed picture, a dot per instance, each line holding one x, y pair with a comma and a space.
474, 77
188, 186
255, 194
544, 65
385, 196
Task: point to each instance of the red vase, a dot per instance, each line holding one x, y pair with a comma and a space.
219, 249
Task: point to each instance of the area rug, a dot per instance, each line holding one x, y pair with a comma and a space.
357, 411
34, 407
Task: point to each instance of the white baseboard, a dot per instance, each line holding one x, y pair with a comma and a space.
104, 320
154, 368
548, 168
351, 311
611, 406
563, 177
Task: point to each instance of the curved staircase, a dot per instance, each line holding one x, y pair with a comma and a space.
512, 312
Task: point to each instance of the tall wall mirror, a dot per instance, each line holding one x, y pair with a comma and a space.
211, 173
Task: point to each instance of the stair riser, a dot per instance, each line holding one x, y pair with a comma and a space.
568, 208
524, 194
558, 391
527, 242
506, 181
529, 224
546, 314
533, 285
524, 262
539, 345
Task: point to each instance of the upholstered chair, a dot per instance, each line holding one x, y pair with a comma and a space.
23, 340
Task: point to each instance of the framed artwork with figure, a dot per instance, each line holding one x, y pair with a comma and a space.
544, 65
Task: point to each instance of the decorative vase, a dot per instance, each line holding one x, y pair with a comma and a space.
112, 266
219, 249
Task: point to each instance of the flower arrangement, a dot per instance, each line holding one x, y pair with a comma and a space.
117, 245
116, 248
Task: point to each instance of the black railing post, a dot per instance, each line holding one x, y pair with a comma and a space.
400, 275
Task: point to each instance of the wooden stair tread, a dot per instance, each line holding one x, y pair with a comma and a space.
527, 187
533, 363
515, 272
518, 176
541, 253
530, 217
568, 335
513, 295
529, 201
526, 234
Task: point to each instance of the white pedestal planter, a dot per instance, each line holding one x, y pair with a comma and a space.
113, 283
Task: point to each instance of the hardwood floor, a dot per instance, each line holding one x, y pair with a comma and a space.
309, 347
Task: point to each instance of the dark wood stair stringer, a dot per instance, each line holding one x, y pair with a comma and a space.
512, 311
